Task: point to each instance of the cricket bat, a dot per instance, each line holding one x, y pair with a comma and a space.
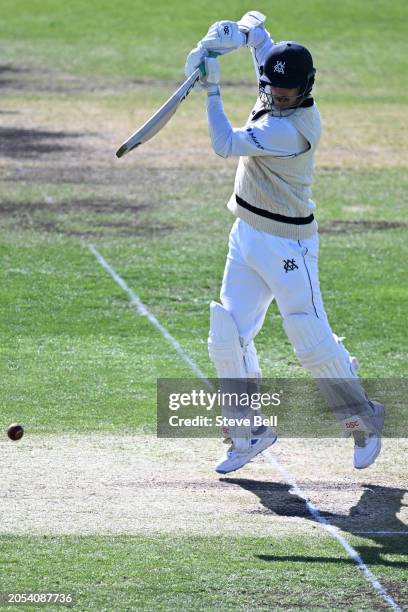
163, 115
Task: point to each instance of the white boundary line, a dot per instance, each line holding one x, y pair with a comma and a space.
383, 533
313, 511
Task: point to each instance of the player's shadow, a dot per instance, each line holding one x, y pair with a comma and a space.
372, 518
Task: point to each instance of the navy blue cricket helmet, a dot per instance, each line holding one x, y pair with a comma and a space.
288, 65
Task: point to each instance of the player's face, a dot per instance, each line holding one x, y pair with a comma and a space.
283, 97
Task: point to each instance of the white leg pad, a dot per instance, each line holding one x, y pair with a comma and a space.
251, 361
328, 361
224, 345
317, 348
227, 354
353, 361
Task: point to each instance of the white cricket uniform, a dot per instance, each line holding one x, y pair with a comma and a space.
260, 265
273, 253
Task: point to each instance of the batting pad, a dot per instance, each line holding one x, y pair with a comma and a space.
251, 361
330, 364
226, 353
224, 345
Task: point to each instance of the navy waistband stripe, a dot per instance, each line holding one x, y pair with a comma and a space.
274, 216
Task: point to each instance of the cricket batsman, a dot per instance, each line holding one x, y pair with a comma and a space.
273, 244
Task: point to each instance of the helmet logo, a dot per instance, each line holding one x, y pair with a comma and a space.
279, 67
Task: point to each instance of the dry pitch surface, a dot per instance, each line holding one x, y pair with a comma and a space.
100, 483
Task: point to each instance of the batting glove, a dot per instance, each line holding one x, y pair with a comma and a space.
223, 37
210, 81
252, 25
194, 59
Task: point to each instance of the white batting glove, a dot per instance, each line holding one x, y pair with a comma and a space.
211, 80
194, 59
223, 37
252, 25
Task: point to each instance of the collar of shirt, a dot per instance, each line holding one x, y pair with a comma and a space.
263, 111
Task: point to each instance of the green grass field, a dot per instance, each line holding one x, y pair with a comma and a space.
77, 360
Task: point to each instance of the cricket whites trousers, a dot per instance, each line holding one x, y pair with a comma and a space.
261, 267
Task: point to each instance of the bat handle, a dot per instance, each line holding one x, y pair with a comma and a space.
202, 65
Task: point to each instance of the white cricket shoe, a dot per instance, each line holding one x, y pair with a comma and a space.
368, 447
234, 460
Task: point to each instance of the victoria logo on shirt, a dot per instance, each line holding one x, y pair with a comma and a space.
279, 67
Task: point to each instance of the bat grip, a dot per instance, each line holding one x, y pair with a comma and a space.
202, 65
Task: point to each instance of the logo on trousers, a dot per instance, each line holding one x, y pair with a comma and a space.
290, 264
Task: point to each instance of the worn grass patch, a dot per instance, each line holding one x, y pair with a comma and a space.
367, 137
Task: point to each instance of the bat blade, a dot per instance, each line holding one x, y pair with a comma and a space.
160, 117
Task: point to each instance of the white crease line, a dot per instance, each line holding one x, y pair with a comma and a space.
372, 579
143, 310
384, 533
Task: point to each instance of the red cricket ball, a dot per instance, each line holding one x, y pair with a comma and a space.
15, 431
